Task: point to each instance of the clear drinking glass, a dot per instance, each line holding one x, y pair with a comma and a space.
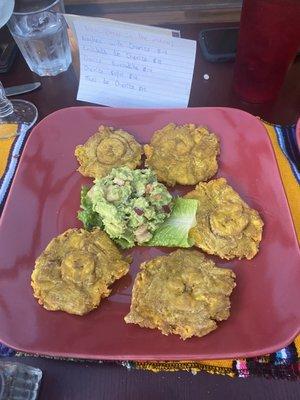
40, 32
6, 9
19, 381
20, 112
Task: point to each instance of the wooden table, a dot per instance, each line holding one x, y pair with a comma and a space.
66, 380
60, 91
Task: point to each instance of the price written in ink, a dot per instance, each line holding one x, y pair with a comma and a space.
129, 67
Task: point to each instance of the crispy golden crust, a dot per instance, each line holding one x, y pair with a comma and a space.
183, 293
184, 154
74, 271
106, 149
226, 225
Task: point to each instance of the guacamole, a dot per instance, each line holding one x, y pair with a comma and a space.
128, 204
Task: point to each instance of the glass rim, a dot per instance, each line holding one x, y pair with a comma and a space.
37, 11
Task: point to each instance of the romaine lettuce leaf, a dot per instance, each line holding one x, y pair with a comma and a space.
87, 215
174, 231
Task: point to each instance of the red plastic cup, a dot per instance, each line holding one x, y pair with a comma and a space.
268, 43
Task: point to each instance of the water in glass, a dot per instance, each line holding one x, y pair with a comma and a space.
43, 41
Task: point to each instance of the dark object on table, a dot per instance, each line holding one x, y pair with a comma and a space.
219, 44
8, 53
19, 381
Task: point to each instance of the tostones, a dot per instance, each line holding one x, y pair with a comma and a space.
226, 225
184, 154
183, 293
75, 270
107, 149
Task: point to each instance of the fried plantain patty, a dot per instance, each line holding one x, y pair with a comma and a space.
74, 271
226, 225
184, 154
106, 149
183, 293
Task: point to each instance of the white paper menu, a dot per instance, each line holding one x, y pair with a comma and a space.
70, 18
123, 67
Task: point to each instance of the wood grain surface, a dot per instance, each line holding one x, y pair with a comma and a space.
159, 11
60, 91
64, 380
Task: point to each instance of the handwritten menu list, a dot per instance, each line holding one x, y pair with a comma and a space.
123, 67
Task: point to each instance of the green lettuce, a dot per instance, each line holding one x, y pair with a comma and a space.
174, 231
87, 215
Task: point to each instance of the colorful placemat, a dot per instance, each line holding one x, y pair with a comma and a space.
11, 147
283, 364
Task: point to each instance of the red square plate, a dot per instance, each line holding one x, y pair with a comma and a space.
44, 200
